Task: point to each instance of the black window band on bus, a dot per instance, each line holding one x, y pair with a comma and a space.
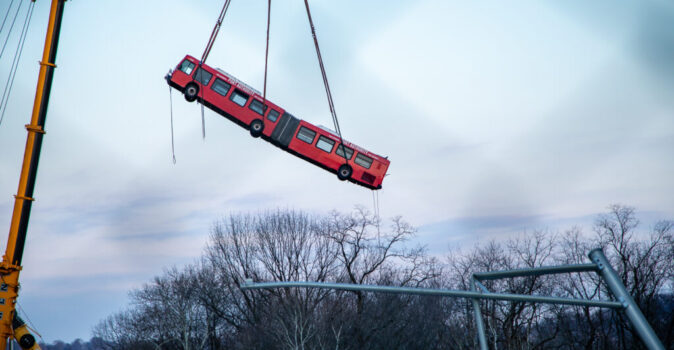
364, 161
273, 115
239, 97
325, 144
203, 76
340, 152
221, 87
306, 135
258, 107
187, 66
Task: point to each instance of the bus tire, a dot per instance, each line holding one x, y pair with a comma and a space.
191, 92
256, 127
344, 172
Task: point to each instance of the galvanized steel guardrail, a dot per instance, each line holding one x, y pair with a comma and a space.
600, 265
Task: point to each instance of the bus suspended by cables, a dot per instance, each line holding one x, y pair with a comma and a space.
240, 103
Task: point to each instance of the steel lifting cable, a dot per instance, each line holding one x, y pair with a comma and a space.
216, 29
266, 60
327, 85
11, 27
203, 119
375, 202
15, 62
375, 205
204, 56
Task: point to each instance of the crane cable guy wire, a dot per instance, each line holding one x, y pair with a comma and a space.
4, 20
32, 326
6, 15
327, 85
15, 62
9, 32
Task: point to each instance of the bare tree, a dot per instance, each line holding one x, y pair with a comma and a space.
203, 307
510, 325
125, 330
368, 254
272, 246
645, 265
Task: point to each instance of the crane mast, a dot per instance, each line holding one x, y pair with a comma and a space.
11, 325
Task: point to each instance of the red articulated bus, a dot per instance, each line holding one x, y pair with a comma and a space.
243, 105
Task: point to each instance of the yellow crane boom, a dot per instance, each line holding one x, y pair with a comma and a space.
11, 325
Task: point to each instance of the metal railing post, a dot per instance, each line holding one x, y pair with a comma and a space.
482, 338
634, 315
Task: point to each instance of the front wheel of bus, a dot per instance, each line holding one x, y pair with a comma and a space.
256, 127
344, 172
191, 92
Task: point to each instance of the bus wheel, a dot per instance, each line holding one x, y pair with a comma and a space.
191, 92
256, 127
344, 172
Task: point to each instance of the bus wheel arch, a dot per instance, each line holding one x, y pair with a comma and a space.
344, 172
191, 92
256, 127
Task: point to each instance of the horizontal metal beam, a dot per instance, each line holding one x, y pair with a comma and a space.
537, 271
436, 292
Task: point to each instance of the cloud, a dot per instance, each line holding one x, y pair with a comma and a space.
654, 41
468, 231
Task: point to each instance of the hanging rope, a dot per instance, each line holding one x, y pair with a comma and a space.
375, 205
375, 202
15, 62
325, 81
173, 149
203, 120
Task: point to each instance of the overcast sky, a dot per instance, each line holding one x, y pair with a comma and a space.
498, 117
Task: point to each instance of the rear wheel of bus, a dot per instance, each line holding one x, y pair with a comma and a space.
344, 172
256, 127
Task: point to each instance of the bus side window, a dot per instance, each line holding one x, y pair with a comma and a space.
364, 161
325, 144
203, 76
186, 67
239, 97
340, 152
258, 107
221, 87
306, 135
273, 115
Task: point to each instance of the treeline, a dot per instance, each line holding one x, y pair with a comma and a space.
77, 344
202, 306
